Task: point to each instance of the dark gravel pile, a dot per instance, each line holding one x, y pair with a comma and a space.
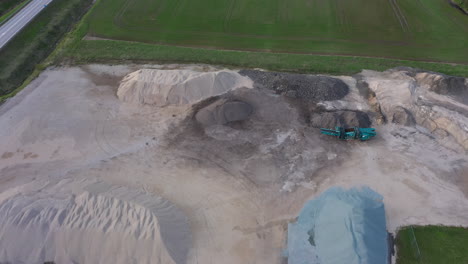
305, 87
340, 118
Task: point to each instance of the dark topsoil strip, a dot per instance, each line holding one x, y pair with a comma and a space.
306, 91
312, 88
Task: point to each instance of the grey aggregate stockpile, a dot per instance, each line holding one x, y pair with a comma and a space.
340, 118
312, 88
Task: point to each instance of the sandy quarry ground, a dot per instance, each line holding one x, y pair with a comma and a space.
222, 194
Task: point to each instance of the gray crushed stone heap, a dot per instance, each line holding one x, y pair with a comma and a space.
340, 118
312, 88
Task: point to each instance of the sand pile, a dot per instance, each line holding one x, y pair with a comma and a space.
177, 87
101, 224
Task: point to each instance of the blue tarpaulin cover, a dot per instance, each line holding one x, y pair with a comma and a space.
340, 227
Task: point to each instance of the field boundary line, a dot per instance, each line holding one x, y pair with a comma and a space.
282, 52
231, 34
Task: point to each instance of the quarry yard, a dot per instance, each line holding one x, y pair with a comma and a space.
203, 164
235, 132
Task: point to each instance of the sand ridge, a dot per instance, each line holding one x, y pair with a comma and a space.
52, 224
176, 87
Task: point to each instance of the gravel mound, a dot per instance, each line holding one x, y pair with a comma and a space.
340, 118
177, 87
305, 87
222, 112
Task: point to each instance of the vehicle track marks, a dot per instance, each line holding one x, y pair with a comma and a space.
341, 17
227, 19
400, 16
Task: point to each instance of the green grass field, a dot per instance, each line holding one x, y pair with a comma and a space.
429, 30
434, 245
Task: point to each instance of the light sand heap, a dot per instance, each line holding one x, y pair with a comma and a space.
100, 224
177, 87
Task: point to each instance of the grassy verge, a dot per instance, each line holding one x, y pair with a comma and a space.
73, 49
13, 11
432, 245
90, 51
23, 55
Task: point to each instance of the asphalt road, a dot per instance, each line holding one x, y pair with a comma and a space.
21, 19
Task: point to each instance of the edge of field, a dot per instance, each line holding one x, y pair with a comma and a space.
120, 52
74, 49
